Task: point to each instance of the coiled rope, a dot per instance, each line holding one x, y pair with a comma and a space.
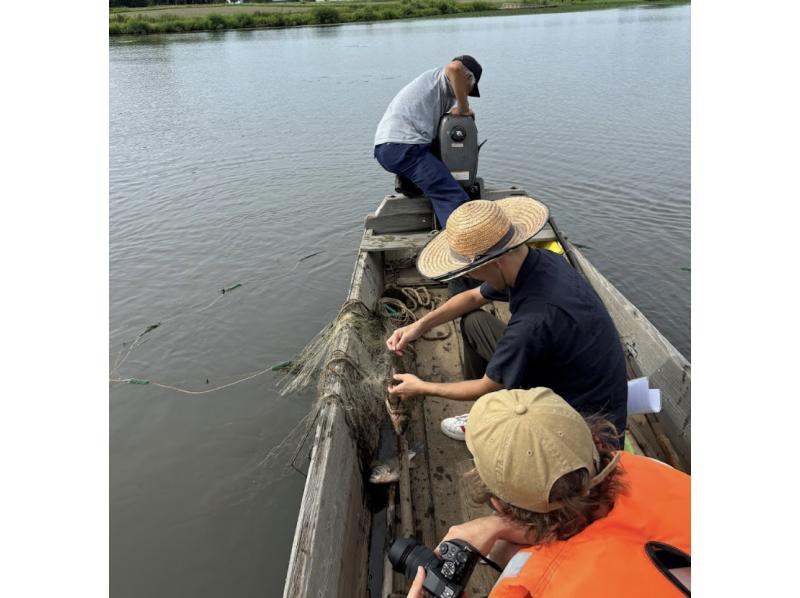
402, 313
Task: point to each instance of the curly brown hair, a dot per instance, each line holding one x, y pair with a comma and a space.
578, 509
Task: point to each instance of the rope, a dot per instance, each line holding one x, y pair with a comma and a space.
403, 314
121, 360
414, 297
395, 310
352, 305
199, 307
185, 390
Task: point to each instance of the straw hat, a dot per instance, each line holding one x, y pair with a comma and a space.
478, 232
523, 441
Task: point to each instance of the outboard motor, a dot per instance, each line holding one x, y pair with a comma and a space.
457, 146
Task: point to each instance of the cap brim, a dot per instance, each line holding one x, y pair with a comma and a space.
474, 93
528, 216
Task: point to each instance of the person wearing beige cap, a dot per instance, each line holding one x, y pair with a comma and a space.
560, 334
579, 518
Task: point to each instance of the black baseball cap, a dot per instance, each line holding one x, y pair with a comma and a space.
472, 64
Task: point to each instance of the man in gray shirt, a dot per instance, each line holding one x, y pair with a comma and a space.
408, 127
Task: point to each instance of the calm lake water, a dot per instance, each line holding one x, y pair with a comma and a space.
234, 155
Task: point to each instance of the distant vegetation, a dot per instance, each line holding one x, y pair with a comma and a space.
138, 17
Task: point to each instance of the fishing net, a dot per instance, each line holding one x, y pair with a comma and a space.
351, 366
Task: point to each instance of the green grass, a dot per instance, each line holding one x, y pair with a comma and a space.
183, 18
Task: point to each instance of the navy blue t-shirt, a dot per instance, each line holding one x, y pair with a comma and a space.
560, 336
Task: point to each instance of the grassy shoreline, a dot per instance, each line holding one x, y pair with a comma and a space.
190, 18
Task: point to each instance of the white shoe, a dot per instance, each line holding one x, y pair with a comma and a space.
455, 427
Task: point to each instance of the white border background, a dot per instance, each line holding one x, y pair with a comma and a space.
54, 248
54, 418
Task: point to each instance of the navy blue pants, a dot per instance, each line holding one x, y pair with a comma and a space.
426, 171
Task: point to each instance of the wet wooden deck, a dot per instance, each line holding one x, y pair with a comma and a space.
438, 495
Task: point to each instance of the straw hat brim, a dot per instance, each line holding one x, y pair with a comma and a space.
528, 216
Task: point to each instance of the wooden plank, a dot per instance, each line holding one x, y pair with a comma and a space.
494, 194
655, 357
404, 489
442, 361
400, 204
333, 511
376, 243
340, 519
388, 573
410, 277
421, 481
643, 434
399, 223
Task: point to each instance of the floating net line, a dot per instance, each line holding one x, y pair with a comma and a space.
347, 360
128, 347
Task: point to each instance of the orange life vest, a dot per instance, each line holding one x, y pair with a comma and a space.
611, 557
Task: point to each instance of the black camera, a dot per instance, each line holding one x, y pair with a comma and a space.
445, 577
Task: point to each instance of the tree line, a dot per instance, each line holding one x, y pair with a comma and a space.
140, 3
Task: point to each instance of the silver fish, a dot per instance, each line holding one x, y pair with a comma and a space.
388, 471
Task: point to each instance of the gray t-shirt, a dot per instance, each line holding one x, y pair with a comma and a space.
414, 113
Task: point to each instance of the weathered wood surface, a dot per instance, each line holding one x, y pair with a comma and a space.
398, 213
388, 586
424, 528
441, 361
330, 550
400, 204
410, 277
655, 358
374, 243
494, 194
399, 223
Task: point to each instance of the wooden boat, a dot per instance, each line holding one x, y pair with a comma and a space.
339, 543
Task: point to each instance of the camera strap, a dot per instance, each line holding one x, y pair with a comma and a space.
491, 563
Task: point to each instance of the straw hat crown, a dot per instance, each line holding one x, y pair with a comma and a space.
476, 227
478, 232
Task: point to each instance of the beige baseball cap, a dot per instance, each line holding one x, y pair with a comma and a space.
523, 441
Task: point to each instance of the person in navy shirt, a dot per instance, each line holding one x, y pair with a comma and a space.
559, 336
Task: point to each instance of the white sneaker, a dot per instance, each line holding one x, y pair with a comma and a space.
455, 427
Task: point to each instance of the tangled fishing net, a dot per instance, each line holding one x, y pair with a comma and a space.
351, 366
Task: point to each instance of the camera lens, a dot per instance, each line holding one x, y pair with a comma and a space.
406, 554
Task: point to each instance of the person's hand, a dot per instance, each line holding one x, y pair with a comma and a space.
481, 533
402, 337
459, 111
408, 386
416, 590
